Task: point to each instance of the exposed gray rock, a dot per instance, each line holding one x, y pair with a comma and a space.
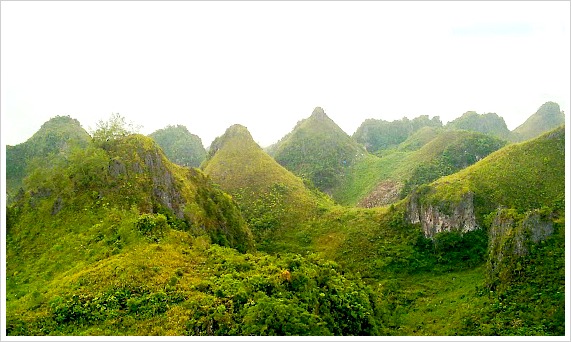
445, 217
511, 236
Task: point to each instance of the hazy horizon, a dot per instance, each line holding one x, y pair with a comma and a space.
267, 65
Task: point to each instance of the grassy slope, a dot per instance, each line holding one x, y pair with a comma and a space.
375, 243
547, 117
422, 148
524, 176
272, 199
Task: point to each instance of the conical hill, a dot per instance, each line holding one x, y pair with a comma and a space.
319, 150
180, 146
547, 117
271, 197
57, 137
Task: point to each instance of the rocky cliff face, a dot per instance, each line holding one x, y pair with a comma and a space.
511, 236
437, 218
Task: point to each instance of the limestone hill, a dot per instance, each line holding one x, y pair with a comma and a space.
273, 200
489, 123
525, 176
318, 150
180, 146
378, 135
547, 117
56, 138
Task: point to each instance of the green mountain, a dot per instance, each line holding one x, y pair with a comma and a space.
117, 240
273, 200
525, 176
377, 135
180, 146
56, 138
490, 123
547, 117
318, 150
285, 215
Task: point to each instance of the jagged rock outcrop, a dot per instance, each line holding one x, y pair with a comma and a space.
442, 217
511, 236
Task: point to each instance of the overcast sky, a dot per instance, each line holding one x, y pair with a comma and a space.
266, 65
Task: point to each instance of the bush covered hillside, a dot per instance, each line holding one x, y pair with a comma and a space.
423, 157
56, 138
180, 146
272, 199
318, 150
447, 232
489, 123
378, 135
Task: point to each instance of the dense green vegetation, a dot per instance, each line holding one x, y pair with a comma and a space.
272, 199
377, 135
423, 157
318, 150
112, 238
458, 151
522, 176
489, 123
180, 146
52, 141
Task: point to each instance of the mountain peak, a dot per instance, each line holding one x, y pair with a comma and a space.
547, 117
319, 114
238, 130
235, 135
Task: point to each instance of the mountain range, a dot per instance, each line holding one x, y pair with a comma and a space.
405, 228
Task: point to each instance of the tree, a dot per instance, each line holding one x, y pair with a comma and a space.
116, 127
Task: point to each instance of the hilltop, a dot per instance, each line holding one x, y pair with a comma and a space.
547, 117
517, 196
318, 150
115, 239
180, 146
55, 138
273, 200
489, 123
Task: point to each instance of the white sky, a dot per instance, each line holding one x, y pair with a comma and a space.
266, 65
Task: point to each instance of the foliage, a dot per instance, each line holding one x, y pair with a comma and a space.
437, 153
456, 155
318, 150
532, 301
113, 239
52, 142
152, 226
180, 146
114, 128
271, 198
525, 176
287, 295
489, 123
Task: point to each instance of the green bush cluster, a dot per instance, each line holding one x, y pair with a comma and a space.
283, 295
152, 226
